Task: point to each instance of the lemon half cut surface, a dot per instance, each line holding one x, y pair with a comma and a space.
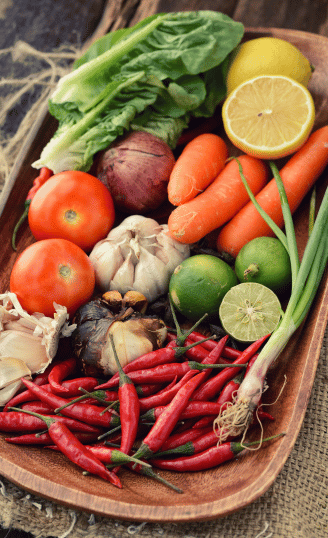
269, 117
249, 311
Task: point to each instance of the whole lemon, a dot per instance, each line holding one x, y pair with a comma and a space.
267, 56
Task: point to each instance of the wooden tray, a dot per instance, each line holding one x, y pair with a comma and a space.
208, 494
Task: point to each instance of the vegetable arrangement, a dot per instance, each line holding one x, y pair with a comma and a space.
176, 398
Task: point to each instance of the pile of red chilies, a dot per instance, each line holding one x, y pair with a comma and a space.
157, 411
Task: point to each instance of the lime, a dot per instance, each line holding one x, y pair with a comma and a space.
269, 117
249, 311
267, 56
266, 261
199, 284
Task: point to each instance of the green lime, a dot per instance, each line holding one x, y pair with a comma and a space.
199, 284
249, 311
266, 261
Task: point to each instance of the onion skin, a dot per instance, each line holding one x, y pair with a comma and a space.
136, 170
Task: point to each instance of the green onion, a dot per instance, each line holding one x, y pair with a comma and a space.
306, 278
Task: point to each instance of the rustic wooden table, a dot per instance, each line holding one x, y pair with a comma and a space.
47, 24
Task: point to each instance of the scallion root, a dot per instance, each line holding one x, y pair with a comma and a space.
233, 421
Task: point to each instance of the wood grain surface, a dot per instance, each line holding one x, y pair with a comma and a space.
231, 486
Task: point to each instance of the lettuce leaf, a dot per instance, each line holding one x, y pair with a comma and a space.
152, 77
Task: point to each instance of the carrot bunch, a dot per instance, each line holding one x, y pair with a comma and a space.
207, 190
223, 202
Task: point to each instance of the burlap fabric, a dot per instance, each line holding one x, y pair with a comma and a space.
295, 506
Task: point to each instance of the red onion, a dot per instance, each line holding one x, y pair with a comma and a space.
136, 170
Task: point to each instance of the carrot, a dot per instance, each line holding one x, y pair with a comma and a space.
298, 176
200, 162
219, 202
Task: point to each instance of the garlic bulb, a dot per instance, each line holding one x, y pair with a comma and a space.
134, 333
140, 255
28, 339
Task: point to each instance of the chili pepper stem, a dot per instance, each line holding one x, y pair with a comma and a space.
151, 473
238, 447
103, 435
22, 218
95, 395
47, 420
183, 335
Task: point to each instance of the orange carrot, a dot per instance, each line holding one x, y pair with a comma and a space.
219, 202
198, 165
298, 176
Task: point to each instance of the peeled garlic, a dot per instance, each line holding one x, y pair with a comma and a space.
28, 339
140, 255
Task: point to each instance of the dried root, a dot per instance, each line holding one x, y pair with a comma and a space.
233, 421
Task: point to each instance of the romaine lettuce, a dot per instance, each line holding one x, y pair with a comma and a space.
152, 77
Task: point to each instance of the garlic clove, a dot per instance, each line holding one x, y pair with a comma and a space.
24, 346
11, 372
151, 277
170, 251
8, 392
132, 338
124, 277
106, 259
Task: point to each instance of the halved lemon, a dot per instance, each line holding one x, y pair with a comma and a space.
269, 116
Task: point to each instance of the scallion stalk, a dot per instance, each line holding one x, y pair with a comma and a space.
306, 278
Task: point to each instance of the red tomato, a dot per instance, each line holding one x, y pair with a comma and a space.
72, 205
52, 270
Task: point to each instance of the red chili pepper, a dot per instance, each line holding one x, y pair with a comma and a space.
59, 372
72, 386
91, 414
212, 386
76, 452
129, 407
193, 446
45, 439
160, 357
44, 175
37, 407
260, 415
168, 419
226, 395
164, 373
165, 396
112, 455
181, 438
19, 421
194, 409
147, 389
228, 352
174, 350
212, 457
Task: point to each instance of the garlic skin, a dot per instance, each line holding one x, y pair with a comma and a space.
140, 255
28, 339
134, 333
